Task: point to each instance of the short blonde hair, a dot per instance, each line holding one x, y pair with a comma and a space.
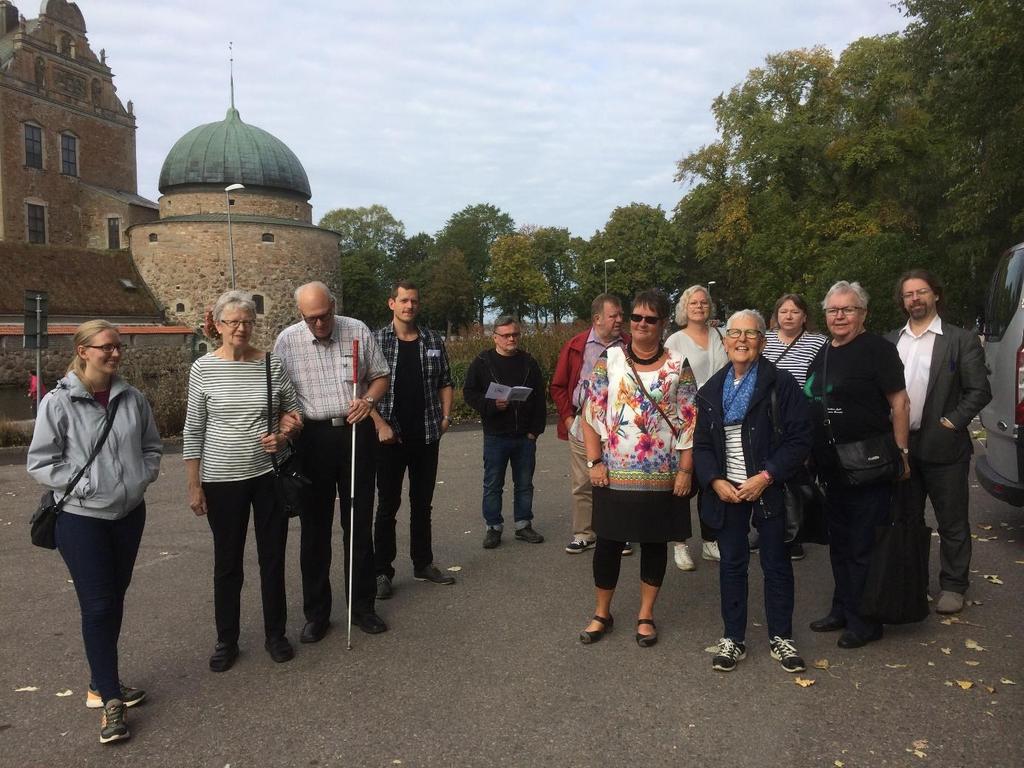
681, 320
85, 333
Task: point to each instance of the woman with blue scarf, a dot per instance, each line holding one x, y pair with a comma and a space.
753, 433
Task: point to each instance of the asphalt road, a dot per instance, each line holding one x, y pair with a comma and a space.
489, 672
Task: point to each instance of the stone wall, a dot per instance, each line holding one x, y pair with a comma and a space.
186, 267
253, 201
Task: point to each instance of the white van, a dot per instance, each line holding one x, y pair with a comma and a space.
1001, 470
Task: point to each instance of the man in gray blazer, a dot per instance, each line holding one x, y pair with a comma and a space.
948, 385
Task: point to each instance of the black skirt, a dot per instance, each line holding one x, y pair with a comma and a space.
641, 516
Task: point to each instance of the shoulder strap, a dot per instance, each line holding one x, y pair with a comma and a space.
270, 409
788, 346
636, 375
824, 394
95, 452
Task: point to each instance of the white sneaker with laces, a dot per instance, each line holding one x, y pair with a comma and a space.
709, 551
681, 554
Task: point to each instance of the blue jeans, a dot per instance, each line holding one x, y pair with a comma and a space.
499, 450
100, 555
775, 564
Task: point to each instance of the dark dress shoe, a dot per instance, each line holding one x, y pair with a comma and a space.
223, 658
432, 574
492, 538
280, 649
828, 624
314, 631
588, 636
370, 623
852, 640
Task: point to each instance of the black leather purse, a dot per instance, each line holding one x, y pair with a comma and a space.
875, 459
804, 499
43, 525
292, 486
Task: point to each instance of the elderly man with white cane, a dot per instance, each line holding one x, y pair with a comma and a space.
339, 373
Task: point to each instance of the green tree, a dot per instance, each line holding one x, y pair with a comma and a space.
514, 279
557, 253
447, 292
473, 231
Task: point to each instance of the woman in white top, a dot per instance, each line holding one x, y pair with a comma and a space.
792, 344
227, 456
701, 345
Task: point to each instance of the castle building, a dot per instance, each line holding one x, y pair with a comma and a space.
270, 243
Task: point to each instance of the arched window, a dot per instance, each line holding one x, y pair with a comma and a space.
153, 237
257, 299
202, 348
179, 307
267, 237
67, 46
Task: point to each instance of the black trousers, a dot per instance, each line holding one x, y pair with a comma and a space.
608, 559
326, 459
947, 486
392, 462
227, 514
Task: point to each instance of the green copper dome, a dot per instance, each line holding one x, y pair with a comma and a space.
233, 152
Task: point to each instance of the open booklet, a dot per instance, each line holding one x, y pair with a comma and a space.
498, 391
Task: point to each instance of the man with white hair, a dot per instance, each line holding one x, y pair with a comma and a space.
317, 352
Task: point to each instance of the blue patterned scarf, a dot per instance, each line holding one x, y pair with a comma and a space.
736, 397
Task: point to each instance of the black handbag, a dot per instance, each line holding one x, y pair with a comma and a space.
43, 525
803, 498
896, 589
291, 485
875, 459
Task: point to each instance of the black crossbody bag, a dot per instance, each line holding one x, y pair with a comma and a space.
43, 525
875, 459
292, 486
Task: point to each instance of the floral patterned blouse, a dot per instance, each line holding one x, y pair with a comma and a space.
638, 446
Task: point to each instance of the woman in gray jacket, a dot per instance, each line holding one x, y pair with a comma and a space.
99, 529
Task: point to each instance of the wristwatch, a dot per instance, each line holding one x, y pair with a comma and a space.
904, 451
369, 399
591, 463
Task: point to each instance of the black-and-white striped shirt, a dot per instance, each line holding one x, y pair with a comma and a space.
735, 463
227, 415
800, 354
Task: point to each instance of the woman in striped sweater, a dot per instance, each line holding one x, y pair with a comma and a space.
227, 455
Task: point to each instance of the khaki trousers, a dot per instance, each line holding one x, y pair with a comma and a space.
582, 499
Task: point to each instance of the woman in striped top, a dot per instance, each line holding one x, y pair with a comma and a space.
792, 344
227, 455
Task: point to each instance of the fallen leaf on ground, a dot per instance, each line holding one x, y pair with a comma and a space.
985, 527
931, 663
755, 624
1019, 562
804, 682
973, 645
965, 684
822, 664
711, 649
839, 764
62, 694
946, 651
917, 753
1006, 681
988, 688
992, 578
454, 568
27, 688
896, 666
980, 602
920, 744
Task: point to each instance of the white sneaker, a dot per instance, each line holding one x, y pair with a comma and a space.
684, 562
709, 551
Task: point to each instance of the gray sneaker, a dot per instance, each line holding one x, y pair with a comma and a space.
384, 590
949, 602
492, 538
113, 725
529, 535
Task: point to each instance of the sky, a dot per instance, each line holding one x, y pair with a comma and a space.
556, 112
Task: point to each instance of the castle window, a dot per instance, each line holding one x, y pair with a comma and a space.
153, 237
68, 154
258, 301
67, 46
33, 146
267, 237
201, 349
114, 233
36, 218
179, 307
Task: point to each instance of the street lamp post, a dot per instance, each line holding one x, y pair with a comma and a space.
606, 263
231, 243
710, 283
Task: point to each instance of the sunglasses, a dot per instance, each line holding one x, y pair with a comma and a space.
649, 319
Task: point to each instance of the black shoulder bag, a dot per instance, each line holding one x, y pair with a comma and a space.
43, 526
804, 499
874, 459
292, 486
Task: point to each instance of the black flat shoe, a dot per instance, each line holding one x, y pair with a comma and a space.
224, 656
370, 623
280, 649
314, 631
828, 624
850, 639
592, 636
646, 641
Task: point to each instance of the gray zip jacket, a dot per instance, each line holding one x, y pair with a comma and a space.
69, 423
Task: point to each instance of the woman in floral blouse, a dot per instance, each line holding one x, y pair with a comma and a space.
638, 429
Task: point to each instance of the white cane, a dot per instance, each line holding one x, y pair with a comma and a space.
352, 492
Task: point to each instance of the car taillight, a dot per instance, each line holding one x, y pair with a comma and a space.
1018, 412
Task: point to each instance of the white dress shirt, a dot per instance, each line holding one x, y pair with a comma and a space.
916, 354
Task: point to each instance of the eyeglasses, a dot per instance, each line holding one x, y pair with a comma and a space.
509, 336
235, 324
747, 333
918, 294
325, 317
843, 311
649, 319
107, 349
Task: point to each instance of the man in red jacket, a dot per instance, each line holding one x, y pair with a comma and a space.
569, 392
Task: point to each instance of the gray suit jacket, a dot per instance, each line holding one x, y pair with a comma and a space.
958, 389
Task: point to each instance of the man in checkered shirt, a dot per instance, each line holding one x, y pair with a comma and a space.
317, 353
410, 420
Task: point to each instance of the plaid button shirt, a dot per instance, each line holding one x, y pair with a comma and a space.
436, 376
322, 370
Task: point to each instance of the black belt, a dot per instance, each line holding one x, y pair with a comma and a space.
338, 421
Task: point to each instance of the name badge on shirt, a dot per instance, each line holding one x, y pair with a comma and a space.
433, 353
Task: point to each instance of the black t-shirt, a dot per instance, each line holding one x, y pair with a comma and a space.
860, 375
410, 403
